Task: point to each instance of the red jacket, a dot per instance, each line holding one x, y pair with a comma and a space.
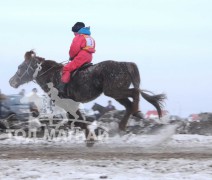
81, 42
81, 50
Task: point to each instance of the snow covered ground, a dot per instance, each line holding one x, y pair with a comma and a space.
163, 156
106, 169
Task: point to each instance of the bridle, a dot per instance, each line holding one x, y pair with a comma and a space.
29, 67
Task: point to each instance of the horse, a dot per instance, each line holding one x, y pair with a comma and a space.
101, 109
109, 77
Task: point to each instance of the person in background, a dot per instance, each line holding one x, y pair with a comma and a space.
22, 92
34, 90
110, 107
81, 50
34, 99
2, 98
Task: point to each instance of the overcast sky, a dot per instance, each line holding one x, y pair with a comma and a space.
169, 40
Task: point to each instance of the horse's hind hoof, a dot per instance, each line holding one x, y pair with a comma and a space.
122, 133
139, 115
122, 127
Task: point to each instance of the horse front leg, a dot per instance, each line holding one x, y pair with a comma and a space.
84, 126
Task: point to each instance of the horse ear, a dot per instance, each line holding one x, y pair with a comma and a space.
33, 55
32, 52
28, 55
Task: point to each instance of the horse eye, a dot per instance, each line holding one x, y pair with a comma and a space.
22, 66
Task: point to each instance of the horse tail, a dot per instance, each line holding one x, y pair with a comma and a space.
155, 100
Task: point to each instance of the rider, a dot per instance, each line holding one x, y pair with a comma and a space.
110, 107
81, 50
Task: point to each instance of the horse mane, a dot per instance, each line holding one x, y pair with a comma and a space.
30, 54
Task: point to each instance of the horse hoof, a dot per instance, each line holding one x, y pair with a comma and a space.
139, 115
122, 127
121, 133
90, 143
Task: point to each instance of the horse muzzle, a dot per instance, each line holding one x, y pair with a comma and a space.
13, 82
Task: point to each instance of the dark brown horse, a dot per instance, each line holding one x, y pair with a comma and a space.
109, 77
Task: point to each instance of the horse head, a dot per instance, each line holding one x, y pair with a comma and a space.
27, 70
95, 107
98, 107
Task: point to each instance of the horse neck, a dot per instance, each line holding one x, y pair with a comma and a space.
50, 72
100, 108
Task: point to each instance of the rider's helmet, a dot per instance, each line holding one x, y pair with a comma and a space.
78, 26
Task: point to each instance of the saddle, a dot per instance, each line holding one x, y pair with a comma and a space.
83, 67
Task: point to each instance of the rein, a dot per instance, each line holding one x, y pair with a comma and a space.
43, 72
39, 68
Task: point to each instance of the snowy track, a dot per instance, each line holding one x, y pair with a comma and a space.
131, 157
97, 152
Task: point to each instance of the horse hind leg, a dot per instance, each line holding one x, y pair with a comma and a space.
135, 78
135, 105
136, 99
128, 105
131, 107
134, 93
